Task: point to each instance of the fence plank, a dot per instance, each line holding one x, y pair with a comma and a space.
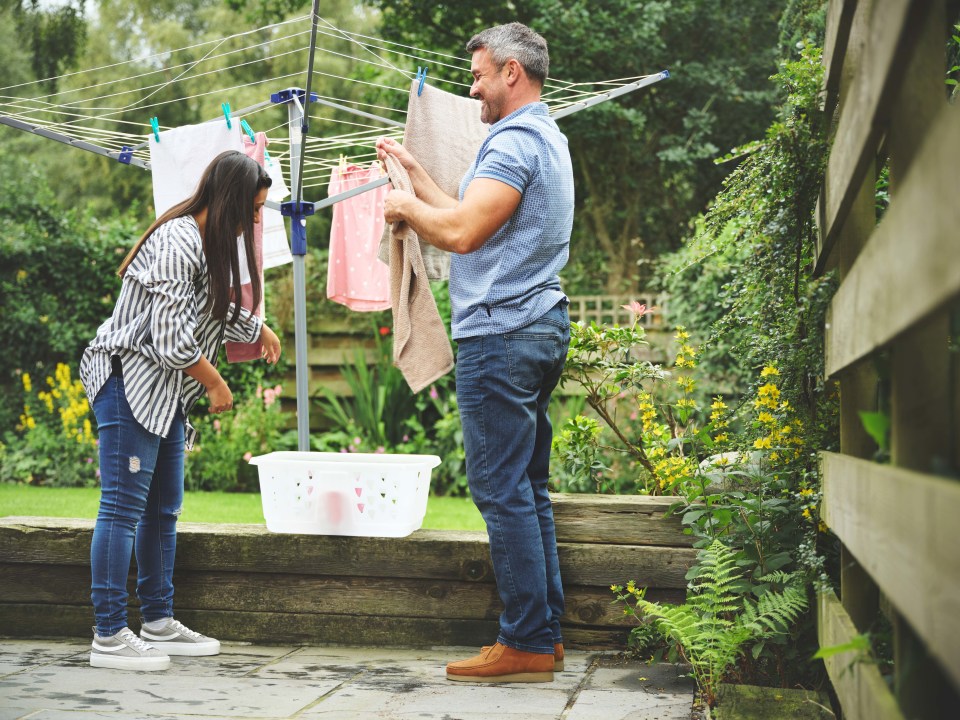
839, 20
889, 43
862, 692
909, 267
900, 525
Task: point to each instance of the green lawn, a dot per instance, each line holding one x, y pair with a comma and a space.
443, 513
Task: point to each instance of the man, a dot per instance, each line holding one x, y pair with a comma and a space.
510, 235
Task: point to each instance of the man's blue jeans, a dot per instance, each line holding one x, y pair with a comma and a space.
504, 384
141, 493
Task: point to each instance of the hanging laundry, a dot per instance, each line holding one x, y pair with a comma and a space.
444, 133
242, 352
421, 349
355, 277
181, 156
276, 247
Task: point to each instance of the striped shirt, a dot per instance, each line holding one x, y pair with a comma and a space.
159, 327
513, 278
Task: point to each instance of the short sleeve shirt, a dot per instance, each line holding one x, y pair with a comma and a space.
513, 278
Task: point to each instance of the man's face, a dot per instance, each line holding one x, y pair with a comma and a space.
488, 87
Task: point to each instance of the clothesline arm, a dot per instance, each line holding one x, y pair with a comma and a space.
73, 142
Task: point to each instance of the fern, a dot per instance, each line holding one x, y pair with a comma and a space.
712, 628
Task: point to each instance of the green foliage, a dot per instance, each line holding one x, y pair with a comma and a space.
383, 415
53, 442
711, 629
53, 36
57, 279
219, 460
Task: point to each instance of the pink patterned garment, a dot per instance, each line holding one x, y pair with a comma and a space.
356, 278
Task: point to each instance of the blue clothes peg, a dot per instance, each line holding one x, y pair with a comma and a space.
226, 113
248, 130
423, 78
155, 124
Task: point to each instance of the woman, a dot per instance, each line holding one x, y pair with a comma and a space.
147, 366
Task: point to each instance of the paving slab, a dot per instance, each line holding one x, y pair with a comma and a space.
52, 680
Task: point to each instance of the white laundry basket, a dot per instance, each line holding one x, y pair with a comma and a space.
323, 493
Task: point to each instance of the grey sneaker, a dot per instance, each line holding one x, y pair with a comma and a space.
177, 639
125, 651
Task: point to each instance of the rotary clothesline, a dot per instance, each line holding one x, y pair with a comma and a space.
99, 113
80, 123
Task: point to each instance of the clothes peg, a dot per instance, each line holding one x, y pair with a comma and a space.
226, 113
155, 124
423, 79
343, 163
248, 130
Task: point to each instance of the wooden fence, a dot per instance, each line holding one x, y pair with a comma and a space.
334, 344
891, 344
241, 582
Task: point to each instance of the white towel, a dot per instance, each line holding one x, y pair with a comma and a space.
177, 162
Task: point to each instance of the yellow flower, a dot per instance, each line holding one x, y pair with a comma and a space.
769, 370
761, 443
21, 275
681, 334
27, 385
722, 437
806, 492
806, 512
822, 526
766, 418
718, 404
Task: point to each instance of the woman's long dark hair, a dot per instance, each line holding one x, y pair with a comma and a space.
227, 191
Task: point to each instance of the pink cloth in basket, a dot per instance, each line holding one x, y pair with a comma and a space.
355, 277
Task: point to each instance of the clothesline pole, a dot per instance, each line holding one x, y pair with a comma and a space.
298, 247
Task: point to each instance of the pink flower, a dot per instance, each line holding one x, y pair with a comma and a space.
384, 331
269, 396
259, 391
247, 456
633, 415
406, 438
638, 309
97, 473
343, 450
433, 392
380, 450
216, 425
356, 441
277, 389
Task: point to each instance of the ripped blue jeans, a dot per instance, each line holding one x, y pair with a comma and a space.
141, 493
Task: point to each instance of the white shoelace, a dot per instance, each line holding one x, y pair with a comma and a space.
184, 630
128, 636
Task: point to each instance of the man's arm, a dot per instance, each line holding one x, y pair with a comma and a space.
463, 227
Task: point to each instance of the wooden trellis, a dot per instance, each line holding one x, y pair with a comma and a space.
891, 344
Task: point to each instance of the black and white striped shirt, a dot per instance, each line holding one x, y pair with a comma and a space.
158, 328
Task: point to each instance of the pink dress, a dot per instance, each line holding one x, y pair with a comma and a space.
355, 277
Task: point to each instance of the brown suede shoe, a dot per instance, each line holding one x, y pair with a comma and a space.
502, 664
557, 655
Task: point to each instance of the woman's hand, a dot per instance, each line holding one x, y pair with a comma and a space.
221, 398
271, 344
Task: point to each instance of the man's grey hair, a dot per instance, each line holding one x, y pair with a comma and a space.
514, 41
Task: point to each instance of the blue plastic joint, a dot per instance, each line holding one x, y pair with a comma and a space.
126, 155
297, 211
285, 96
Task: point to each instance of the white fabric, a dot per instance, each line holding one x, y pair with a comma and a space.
276, 247
177, 162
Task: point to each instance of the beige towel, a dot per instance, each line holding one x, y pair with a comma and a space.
420, 346
444, 133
